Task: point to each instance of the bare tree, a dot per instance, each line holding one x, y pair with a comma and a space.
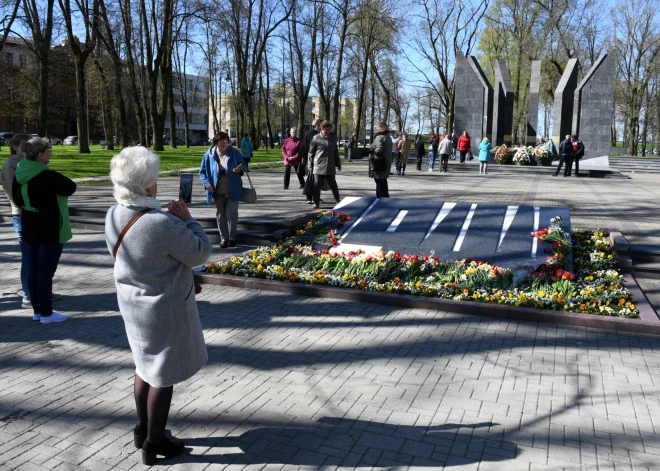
8, 19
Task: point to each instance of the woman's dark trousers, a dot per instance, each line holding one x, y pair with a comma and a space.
382, 190
318, 184
287, 176
42, 261
463, 154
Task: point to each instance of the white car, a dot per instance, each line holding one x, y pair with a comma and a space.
343, 143
71, 141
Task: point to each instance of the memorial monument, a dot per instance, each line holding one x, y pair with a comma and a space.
451, 231
533, 109
473, 101
564, 99
592, 107
503, 106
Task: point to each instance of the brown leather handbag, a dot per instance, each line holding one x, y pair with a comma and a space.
198, 287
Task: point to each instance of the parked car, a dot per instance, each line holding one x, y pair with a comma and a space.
178, 140
199, 142
5, 137
70, 141
55, 141
343, 143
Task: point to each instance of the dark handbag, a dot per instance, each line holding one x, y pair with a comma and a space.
198, 287
249, 195
469, 155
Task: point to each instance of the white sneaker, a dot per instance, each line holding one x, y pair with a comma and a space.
26, 303
54, 317
36, 317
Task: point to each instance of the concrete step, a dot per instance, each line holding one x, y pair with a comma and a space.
644, 254
647, 270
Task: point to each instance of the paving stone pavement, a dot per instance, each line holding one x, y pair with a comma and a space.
296, 383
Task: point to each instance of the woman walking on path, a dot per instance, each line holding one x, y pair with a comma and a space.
290, 152
324, 161
246, 149
484, 155
403, 146
380, 161
220, 172
8, 172
419, 151
43, 197
463, 145
433, 152
154, 252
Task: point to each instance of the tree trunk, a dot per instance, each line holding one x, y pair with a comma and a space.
172, 117
81, 108
266, 92
340, 62
42, 118
363, 83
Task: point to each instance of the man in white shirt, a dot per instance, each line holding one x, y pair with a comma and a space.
395, 141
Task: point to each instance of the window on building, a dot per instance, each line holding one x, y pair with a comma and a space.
9, 58
200, 86
25, 125
22, 61
189, 84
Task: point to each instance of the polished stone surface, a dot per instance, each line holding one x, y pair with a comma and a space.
503, 105
562, 123
533, 108
473, 103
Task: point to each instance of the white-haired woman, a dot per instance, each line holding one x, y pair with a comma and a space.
42, 194
291, 155
155, 251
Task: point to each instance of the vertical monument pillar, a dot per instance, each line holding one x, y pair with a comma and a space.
533, 111
503, 106
564, 99
592, 108
473, 101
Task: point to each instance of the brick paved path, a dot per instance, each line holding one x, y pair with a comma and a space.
303, 383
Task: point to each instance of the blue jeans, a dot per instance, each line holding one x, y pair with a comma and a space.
431, 160
42, 261
24, 264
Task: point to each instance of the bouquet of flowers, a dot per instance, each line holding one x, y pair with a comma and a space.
521, 157
502, 154
542, 153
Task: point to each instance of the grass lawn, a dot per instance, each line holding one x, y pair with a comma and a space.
66, 160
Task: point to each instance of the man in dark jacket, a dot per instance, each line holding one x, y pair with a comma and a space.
578, 153
454, 145
565, 156
419, 151
308, 191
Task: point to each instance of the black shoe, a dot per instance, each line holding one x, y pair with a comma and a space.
308, 202
316, 206
286, 187
165, 448
302, 185
223, 244
554, 174
140, 435
232, 243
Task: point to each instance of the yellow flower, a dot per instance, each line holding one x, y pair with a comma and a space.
260, 268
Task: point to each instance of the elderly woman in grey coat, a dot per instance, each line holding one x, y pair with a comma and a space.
155, 250
324, 162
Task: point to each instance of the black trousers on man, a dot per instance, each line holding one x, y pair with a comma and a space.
444, 162
419, 162
576, 159
318, 184
565, 159
382, 189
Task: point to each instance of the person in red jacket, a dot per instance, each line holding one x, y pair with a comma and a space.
290, 152
463, 145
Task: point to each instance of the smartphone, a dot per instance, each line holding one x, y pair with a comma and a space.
239, 165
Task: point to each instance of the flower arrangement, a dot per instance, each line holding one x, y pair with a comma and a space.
521, 156
502, 154
541, 153
596, 287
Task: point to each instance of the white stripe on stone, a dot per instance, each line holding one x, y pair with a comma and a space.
510, 215
346, 201
397, 220
359, 220
466, 225
537, 218
446, 208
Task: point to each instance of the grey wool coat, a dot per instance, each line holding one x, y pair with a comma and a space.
381, 148
323, 157
156, 292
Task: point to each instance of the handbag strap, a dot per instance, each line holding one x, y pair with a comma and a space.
247, 174
126, 228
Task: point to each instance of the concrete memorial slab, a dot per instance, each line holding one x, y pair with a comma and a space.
473, 104
451, 231
592, 107
564, 99
533, 109
503, 105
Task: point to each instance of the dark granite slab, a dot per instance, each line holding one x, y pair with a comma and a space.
516, 247
355, 210
443, 238
483, 234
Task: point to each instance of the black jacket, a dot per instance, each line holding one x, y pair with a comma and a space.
43, 226
304, 147
566, 148
419, 148
580, 150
